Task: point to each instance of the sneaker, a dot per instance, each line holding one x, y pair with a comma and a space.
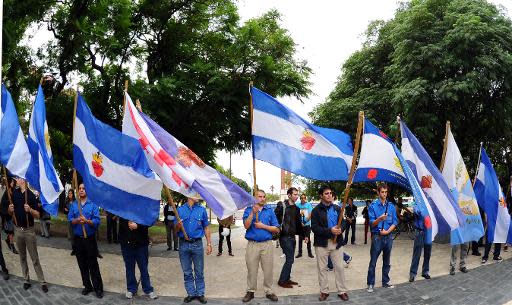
498, 259
426, 276
484, 260
129, 295
370, 289
388, 285
282, 255
152, 295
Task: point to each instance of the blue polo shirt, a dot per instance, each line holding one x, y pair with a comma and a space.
309, 208
194, 218
419, 222
332, 216
265, 216
376, 209
90, 211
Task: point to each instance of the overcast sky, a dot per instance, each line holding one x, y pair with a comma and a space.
326, 33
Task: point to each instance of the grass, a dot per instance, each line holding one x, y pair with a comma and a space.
157, 233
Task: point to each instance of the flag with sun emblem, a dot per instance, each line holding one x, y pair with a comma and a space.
446, 211
490, 198
284, 139
378, 160
41, 173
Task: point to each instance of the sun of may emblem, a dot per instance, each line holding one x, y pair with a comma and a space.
97, 160
307, 141
398, 165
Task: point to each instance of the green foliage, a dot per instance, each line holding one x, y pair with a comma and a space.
188, 61
437, 60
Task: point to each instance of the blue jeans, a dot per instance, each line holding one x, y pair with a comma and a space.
288, 246
380, 244
419, 244
346, 257
192, 253
131, 256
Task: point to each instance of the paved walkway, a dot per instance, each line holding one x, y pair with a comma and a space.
226, 276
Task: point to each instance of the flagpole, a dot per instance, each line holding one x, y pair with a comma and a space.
251, 108
74, 181
360, 127
478, 163
8, 190
445, 146
166, 189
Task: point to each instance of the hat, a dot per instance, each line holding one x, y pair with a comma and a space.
195, 196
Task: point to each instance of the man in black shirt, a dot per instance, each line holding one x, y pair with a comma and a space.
291, 226
134, 242
172, 234
23, 210
350, 216
112, 228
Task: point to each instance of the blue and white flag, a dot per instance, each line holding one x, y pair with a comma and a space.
378, 160
114, 169
284, 139
446, 210
41, 173
14, 152
490, 198
457, 179
180, 168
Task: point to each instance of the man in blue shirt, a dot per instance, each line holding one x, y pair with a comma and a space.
419, 244
383, 220
260, 222
305, 211
194, 220
85, 245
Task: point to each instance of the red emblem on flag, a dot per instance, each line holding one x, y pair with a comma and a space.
186, 157
426, 182
428, 222
97, 160
307, 140
372, 173
382, 134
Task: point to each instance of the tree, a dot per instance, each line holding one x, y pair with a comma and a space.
189, 61
437, 60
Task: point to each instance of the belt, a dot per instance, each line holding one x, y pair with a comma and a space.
190, 240
83, 237
258, 241
24, 228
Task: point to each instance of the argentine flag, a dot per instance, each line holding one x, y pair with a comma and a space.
284, 139
378, 160
490, 198
114, 169
41, 173
14, 154
446, 210
457, 179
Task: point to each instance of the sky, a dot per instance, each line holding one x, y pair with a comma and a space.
326, 32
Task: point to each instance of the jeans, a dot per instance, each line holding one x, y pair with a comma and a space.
346, 257
192, 253
419, 244
380, 244
288, 246
139, 255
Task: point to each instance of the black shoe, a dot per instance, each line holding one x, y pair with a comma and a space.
26, 286
14, 250
5, 274
44, 287
452, 271
476, 254
464, 270
72, 253
298, 255
202, 299
168, 248
86, 291
311, 255
100, 256
411, 278
176, 249
188, 299
272, 297
248, 296
426, 276
99, 294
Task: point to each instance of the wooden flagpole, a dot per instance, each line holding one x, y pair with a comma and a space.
8, 190
75, 179
166, 189
360, 127
445, 146
478, 163
251, 109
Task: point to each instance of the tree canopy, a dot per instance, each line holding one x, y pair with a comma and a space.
188, 61
435, 61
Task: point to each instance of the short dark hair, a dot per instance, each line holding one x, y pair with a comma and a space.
382, 186
303, 195
323, 188
291, 190
261, 191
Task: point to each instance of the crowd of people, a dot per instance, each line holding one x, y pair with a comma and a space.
323, 229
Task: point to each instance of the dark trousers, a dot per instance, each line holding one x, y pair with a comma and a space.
307, 233
288, 246
221, 239
86, 251
139, 256
380, 244
366, 229
419, 244
111, 230
353, 237
2, 260
497, 251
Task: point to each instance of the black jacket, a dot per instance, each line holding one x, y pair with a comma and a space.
288, 221
133, 238
168, 211
320, 228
